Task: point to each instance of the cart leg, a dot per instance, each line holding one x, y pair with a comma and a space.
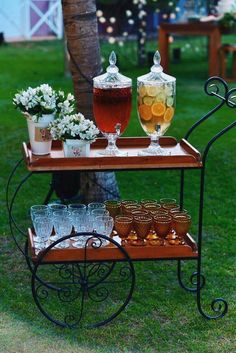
218, 306
192, 279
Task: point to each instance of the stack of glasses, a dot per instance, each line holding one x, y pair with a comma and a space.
52, 222
153, 222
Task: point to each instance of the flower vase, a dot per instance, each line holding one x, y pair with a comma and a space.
76, 148
39, 135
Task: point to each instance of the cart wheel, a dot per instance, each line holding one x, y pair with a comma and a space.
69, 293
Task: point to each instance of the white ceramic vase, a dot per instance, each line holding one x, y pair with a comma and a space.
76, 148
39, 135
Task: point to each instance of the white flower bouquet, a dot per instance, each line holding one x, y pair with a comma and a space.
34, 102
73, 127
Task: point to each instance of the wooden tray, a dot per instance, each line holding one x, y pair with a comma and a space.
110, 252
180, 155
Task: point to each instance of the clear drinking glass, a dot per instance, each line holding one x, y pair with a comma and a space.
112, 105
104, 225
156, 105
82, 224
38, 210
95, 205
99, 212
76, 206
62, 226
57, 207
43, 229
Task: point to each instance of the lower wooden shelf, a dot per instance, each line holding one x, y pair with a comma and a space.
111, 253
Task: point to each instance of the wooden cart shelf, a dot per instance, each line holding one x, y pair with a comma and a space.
111, 253
179, 155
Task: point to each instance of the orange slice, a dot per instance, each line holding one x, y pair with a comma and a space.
142, 91
148, 100
158, 109
145, 112
169, 114
152, 90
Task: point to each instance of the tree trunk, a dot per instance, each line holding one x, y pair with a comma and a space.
81, 31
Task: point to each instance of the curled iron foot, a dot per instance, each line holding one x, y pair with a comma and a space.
219, 306
192, 280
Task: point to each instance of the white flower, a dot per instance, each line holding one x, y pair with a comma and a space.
73, 126
43, 100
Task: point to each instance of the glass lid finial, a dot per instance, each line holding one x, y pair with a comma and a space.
157, 68
112, 68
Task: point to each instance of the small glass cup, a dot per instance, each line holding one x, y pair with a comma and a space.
127, 202
147, 201
77, 206
63, 223
138, 212
181, 225
162, 226
83, 222
99, 212
104, 225
38, 210
142, 226
176, 210
113, 206
159, 212
94, 205
169, 207
57, 207
127, 210
168, 201
43, 230
151, 207
123, 226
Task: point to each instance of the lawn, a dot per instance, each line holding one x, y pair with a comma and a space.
161, 317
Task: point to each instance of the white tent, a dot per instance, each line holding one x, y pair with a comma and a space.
27, 19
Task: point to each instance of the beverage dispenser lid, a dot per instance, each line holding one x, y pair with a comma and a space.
112, 78
156, 74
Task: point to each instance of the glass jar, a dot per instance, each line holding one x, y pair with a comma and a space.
156, 104
112, 98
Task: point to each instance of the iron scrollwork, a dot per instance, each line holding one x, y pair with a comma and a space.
218, 88
83, 284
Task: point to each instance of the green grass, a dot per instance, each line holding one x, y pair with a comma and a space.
161, 316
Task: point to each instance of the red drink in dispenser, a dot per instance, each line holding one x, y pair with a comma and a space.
112, 106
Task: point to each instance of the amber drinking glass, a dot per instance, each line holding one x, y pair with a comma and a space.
162, 226
151, 207
142, 226
127, 210
147, 201
123, 226
168, 201
181, 225
113, 206
127, 202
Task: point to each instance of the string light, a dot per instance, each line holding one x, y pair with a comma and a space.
102, 19
109, 29
111, 40
99, 13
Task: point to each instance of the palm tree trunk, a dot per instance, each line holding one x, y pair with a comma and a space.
81, 32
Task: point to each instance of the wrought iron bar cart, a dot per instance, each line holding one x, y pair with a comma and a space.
66, 283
